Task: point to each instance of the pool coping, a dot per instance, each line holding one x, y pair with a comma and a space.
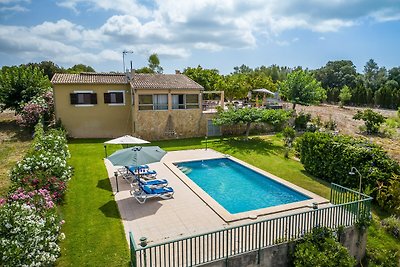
253, 214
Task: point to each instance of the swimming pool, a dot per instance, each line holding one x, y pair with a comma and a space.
236, 187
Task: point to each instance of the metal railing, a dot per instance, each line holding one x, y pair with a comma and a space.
348, 207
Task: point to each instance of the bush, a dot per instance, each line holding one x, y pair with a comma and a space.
330, 158
46, 158
379, 257
39, 199
320, 248
301, 121
55, 186
26, 238
388, 194
372, 120
330, 125
39, 108
392, 226
288, 134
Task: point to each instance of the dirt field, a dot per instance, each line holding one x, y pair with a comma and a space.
14, 143
347, 125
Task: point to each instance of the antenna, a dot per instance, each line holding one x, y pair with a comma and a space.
123, 58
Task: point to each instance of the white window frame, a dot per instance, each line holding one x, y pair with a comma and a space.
123, 97
84, 92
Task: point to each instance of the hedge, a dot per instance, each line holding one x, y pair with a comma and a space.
331, 157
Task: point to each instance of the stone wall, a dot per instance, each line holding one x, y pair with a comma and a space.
171, 124
281, 255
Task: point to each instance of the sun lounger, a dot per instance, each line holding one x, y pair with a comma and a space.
142, 170
146, 192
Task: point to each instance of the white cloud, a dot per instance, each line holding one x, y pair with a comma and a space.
173, 28
15, 8
386, 14
131, 7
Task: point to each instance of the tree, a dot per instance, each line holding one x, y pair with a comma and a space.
248, 116
208, 78
300, 87
345, 95
154, 63
374, 76
78, 68
337, 74
49, 68
372, 120
18, 85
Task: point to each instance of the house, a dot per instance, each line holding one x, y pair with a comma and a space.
150, 106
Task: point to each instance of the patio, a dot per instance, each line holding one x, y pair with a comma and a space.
184, 215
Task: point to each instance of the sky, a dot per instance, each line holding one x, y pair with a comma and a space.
217, 34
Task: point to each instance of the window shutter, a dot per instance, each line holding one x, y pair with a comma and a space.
73, 98
93, 98
119, 97
107, 98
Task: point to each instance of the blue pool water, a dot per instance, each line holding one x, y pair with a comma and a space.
236, 187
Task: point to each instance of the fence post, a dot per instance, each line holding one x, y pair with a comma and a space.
132, 249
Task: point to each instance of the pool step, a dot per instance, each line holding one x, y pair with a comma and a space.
185, 170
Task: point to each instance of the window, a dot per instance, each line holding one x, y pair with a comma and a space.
114, 98
160, 102
153, 102
185, 101
178, 102
192, 101
83, 98
145, 102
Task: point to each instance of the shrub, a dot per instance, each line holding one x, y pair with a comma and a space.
46, 158
330, 158
55, 186
288, 134
388, 194
379, 257
301, 121
43, 165
392, 226
330, 125
39, 108
320, 248
26, 238
40, 199
372, 120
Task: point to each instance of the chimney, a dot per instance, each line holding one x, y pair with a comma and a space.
177, 72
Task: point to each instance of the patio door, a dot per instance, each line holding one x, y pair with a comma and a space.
213, 130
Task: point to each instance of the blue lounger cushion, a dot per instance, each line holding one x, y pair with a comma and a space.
154, 182
157, 191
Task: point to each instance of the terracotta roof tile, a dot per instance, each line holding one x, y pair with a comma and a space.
139, 81
164, 81
90, 78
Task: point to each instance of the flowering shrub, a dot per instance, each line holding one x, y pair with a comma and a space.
55, 186
39, 107
45, 164
40, 199
26, 238
53, 141
47, 158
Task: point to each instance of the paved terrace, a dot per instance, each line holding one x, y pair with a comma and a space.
184, 215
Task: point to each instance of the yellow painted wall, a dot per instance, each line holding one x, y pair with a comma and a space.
98, 121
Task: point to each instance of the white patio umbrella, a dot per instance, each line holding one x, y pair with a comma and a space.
124, 141
264, 91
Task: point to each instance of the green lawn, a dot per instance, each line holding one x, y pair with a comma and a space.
93, 228
94, 232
